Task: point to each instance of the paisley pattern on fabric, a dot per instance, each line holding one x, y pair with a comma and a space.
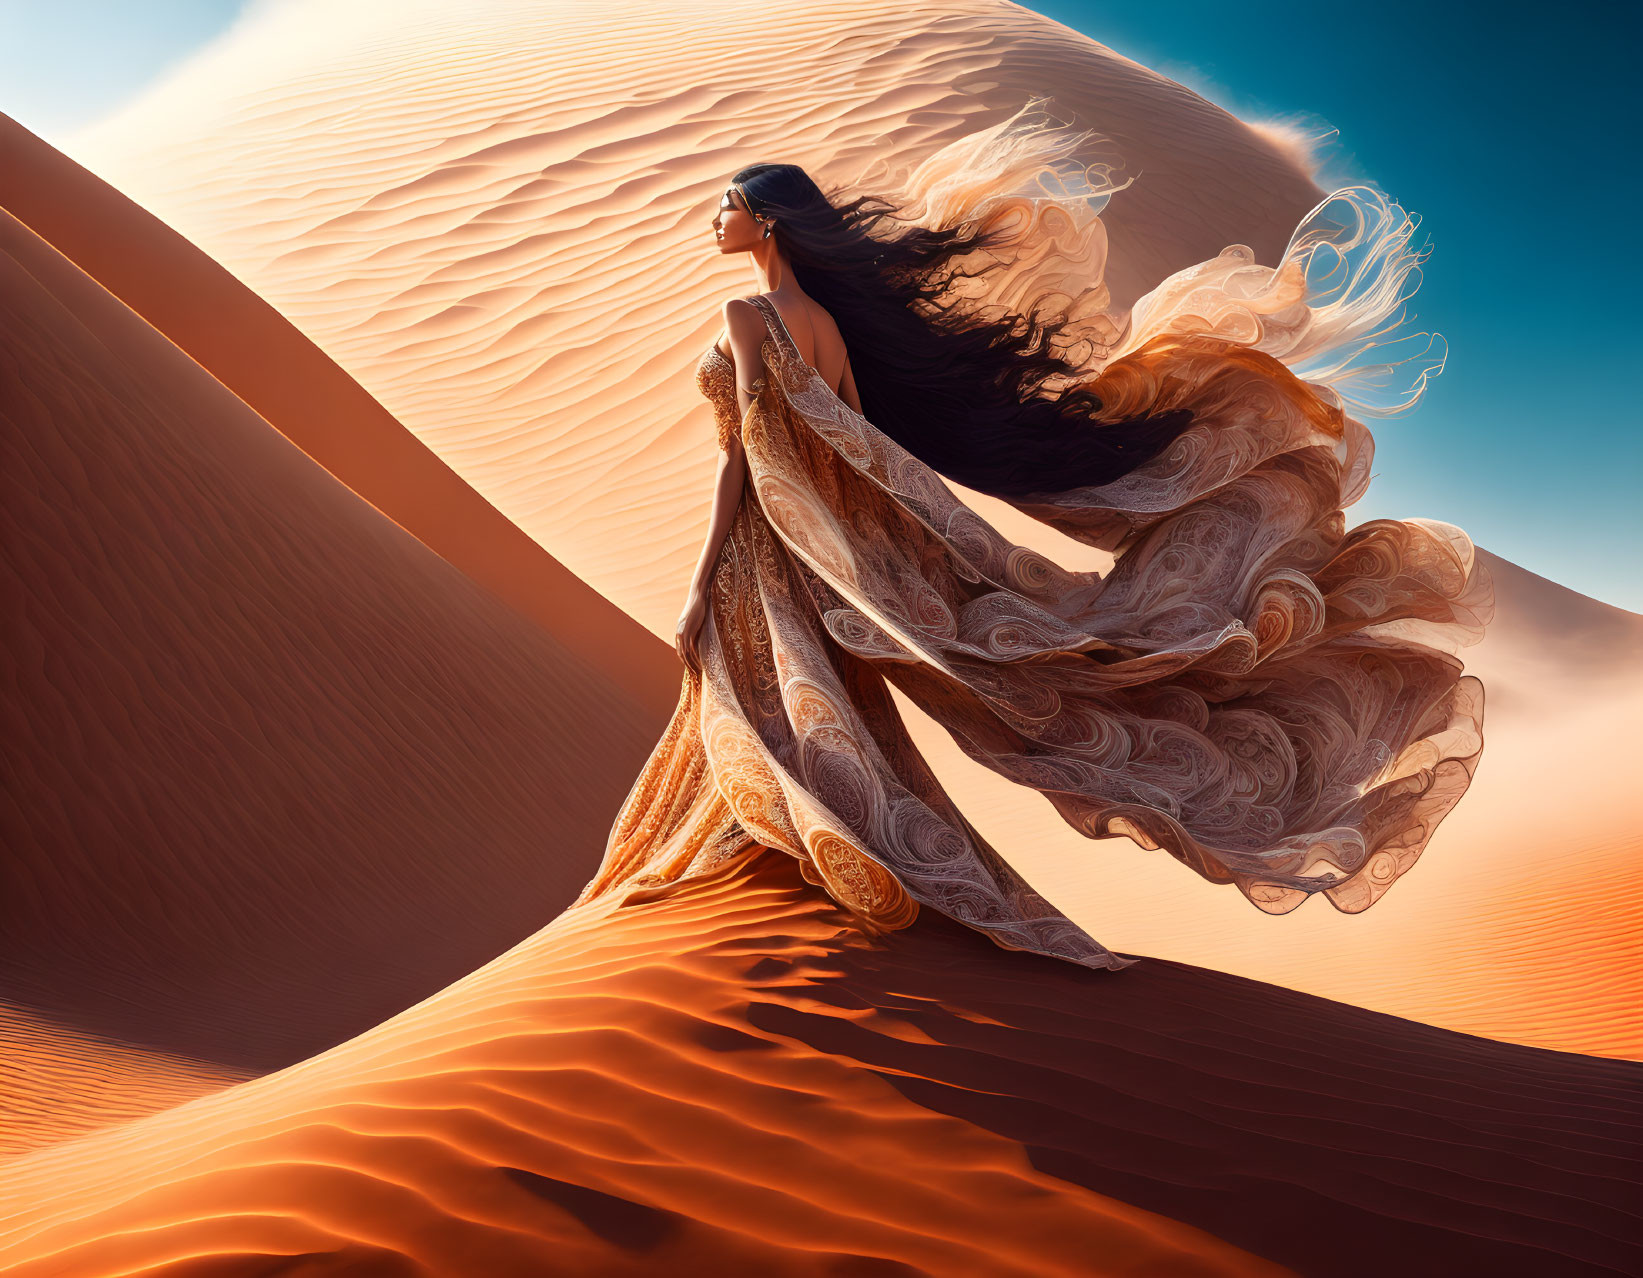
716, 379
1268, 696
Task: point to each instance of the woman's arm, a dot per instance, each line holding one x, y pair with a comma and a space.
727, 495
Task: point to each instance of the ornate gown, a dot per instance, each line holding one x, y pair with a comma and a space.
1272, 699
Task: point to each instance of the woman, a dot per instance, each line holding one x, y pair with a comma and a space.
1269, 697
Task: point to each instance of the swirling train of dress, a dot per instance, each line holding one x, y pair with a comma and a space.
1270, 697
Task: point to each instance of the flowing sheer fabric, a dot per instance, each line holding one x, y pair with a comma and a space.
1271, 698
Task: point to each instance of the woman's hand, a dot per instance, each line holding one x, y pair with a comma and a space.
690, 629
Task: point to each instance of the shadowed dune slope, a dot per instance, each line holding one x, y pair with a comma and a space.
279, 770
733, 1079
255, 352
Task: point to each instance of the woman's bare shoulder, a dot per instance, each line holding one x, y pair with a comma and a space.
739, 311
819, 330
828, 348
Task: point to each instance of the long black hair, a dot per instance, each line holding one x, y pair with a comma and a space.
963, 392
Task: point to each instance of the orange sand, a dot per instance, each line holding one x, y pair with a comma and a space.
734, 1080
303, 760
286, 771
268, 363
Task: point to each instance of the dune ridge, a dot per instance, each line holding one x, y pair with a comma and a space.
266, 362
57, 1082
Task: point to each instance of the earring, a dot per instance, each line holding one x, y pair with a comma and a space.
768, 227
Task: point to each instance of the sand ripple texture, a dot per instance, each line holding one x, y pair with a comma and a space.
497, 216
732, 1079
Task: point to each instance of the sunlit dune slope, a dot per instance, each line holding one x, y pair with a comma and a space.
497, 216
57, 1082
733, 1080
279, 770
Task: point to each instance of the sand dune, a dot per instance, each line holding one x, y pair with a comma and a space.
733, 1080
307, 757
259, 355
287, 771
57, 1082
515, 257
521, 272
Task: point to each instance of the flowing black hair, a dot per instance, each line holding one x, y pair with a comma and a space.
964, 393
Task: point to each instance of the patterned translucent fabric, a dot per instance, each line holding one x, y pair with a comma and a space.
1271, 698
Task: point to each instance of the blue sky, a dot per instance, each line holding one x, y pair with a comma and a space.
1504, 127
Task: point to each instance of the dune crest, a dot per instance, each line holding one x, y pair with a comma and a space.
266, 362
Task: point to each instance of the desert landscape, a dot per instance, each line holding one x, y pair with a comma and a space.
353, 471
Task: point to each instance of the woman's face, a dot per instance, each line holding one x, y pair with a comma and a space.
736, 230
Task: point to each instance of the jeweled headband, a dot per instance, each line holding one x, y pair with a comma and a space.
738, 187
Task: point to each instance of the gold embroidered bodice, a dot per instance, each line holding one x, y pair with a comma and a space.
716, 379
